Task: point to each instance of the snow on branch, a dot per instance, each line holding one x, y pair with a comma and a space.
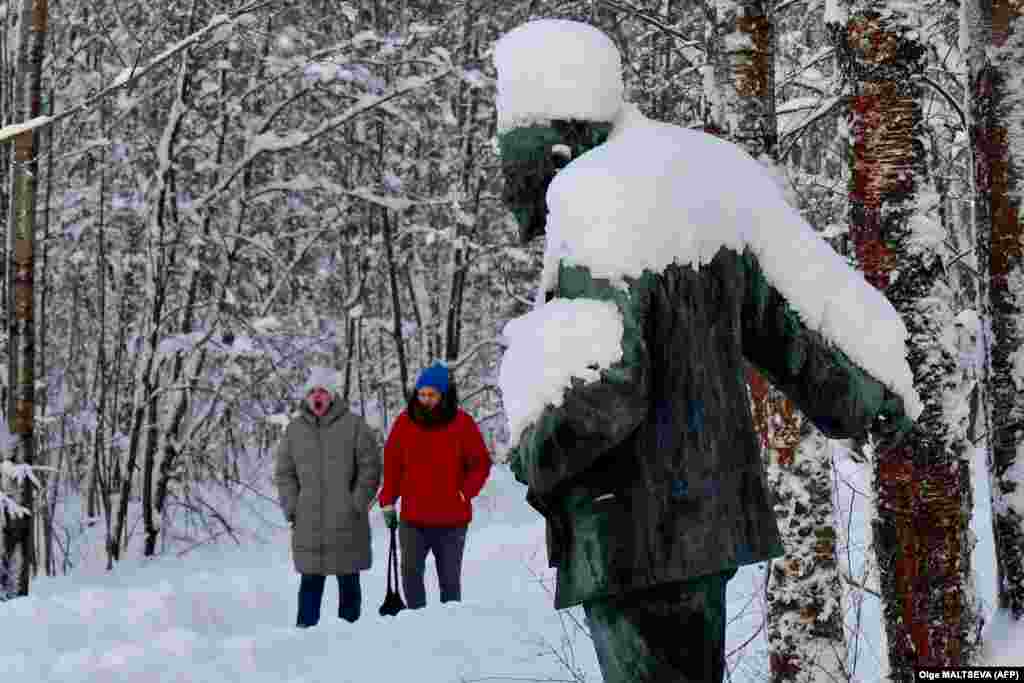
286, 276
949, 99
16, 129
12, 474
397, 204
793, 78
453, 365
682, 40
131, 74
826, 108
272, 142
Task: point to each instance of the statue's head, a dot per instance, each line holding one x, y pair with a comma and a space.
530, 158
559, 89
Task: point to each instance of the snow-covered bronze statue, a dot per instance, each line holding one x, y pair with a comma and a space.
672, 259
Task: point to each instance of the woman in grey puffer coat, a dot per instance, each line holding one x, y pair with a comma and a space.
327, 469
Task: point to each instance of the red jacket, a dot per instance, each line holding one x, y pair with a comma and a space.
436, 472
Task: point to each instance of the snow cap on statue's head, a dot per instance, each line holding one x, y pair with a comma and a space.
553, 69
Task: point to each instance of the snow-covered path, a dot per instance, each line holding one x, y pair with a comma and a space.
229, 619
224, 614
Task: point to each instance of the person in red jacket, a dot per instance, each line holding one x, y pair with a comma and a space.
436, 461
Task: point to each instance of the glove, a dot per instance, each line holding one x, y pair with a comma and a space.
891, 426
515, 465
390, 516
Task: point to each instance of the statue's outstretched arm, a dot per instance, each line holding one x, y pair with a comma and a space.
831, 390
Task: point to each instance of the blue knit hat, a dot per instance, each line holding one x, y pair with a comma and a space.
435, 376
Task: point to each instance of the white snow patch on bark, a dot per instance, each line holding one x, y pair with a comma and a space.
835, 12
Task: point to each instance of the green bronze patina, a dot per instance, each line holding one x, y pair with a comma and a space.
650, 478
671, 633
530, 159
564, 479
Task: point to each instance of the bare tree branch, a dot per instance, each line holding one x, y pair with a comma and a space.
134, 74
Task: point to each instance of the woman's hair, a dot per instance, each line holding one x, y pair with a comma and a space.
447, 410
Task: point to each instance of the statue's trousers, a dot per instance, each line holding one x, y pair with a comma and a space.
671, 633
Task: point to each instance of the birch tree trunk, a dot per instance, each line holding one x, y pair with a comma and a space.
174, 437
101, 378
805, 624
112, 478
396, 301
429, 336
922, 490
744, 68
49, 480
996, 29
388, 236
805, 607
350, 335
18, 550
157, 434
468, 101
6, 106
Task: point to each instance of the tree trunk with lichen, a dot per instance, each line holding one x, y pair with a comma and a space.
805, 627
922, 487
805, 615
18, 547
743, 50
997, 137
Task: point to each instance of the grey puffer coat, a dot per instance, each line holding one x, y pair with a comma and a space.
327, 471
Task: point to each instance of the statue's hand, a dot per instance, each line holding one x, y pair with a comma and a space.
892, 425
515, 463
518, 454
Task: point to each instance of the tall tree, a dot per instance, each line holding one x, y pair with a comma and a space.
805, 627
18, 555
996, 30
922, 488
743, 53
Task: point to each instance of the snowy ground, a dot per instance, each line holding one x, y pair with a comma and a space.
225, 613
1003, 638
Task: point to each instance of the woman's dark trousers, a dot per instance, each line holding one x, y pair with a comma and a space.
311, 593
447, 544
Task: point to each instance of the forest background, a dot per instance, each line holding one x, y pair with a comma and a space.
225, 193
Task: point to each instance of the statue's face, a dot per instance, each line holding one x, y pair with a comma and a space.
530, 158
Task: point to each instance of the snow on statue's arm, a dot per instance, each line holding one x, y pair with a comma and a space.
594, 414
839, 397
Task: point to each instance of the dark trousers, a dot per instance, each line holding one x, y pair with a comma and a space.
311, 593
673, 633
447, 544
